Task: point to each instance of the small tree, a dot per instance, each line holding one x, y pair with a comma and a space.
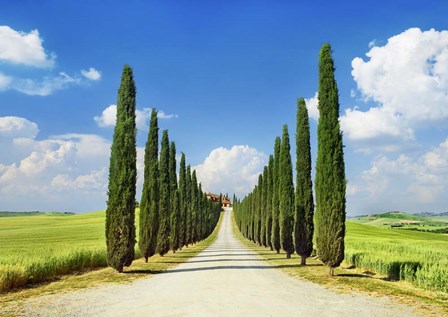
304, 208
120, 213
330, 168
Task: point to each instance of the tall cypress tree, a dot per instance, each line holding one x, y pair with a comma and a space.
149, 204
194, 206
330, 170
163, 239
183, 201
275, 239
269, 202
264, 194
286, 192
188, 204
304, 208
175, 221
120, 214
174, 206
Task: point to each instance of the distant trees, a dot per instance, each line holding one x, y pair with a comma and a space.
304, 204
120, 213
287, 215
330, 168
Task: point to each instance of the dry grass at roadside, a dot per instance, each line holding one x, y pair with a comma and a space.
349, 279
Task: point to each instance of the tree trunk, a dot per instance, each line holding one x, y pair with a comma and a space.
278, 251
331, 271
146, 259
303, 261
288, 255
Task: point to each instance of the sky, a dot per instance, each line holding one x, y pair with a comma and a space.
225, 77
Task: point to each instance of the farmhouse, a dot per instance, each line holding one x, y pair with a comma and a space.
225, 201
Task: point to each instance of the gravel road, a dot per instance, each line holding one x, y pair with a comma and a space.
224, 280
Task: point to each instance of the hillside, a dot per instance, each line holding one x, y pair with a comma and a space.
402, 220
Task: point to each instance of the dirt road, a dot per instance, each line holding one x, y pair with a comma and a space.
224, 280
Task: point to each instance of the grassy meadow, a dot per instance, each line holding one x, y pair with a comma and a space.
37, 248
420, 258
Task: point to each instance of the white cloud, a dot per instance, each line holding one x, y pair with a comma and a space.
16, 127
163, 115
232, 170
45, 86
26, 49
311, 104
404, 183
5, 81
408, 79
91, 74
108, 117
19, 47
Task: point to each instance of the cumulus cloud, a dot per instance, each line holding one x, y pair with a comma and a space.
16, 127
232, 170
65, 172
407, 78
91, 74
404, 183
311, 104
108, 117
19, 47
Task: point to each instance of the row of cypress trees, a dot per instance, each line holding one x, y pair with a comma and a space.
276, 215
173, 213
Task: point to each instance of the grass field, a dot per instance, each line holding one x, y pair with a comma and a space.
360, 279
38, 248
417, 257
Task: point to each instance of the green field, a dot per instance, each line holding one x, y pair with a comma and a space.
37, 247
417, 257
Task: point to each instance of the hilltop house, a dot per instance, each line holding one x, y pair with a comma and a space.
225, 201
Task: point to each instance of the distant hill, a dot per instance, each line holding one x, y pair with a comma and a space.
402, 220
33, 213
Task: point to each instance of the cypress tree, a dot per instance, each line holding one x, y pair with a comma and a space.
269, 202
120, 214
174, 206
149, 205
263, 202
275, 239
175, 221
330, 170
163, 239
304, 208
183, 201
194, 207
286, 192
188, 206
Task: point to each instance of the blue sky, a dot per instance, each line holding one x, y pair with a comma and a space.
225, 76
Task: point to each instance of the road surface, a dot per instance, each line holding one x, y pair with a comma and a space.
224, 280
